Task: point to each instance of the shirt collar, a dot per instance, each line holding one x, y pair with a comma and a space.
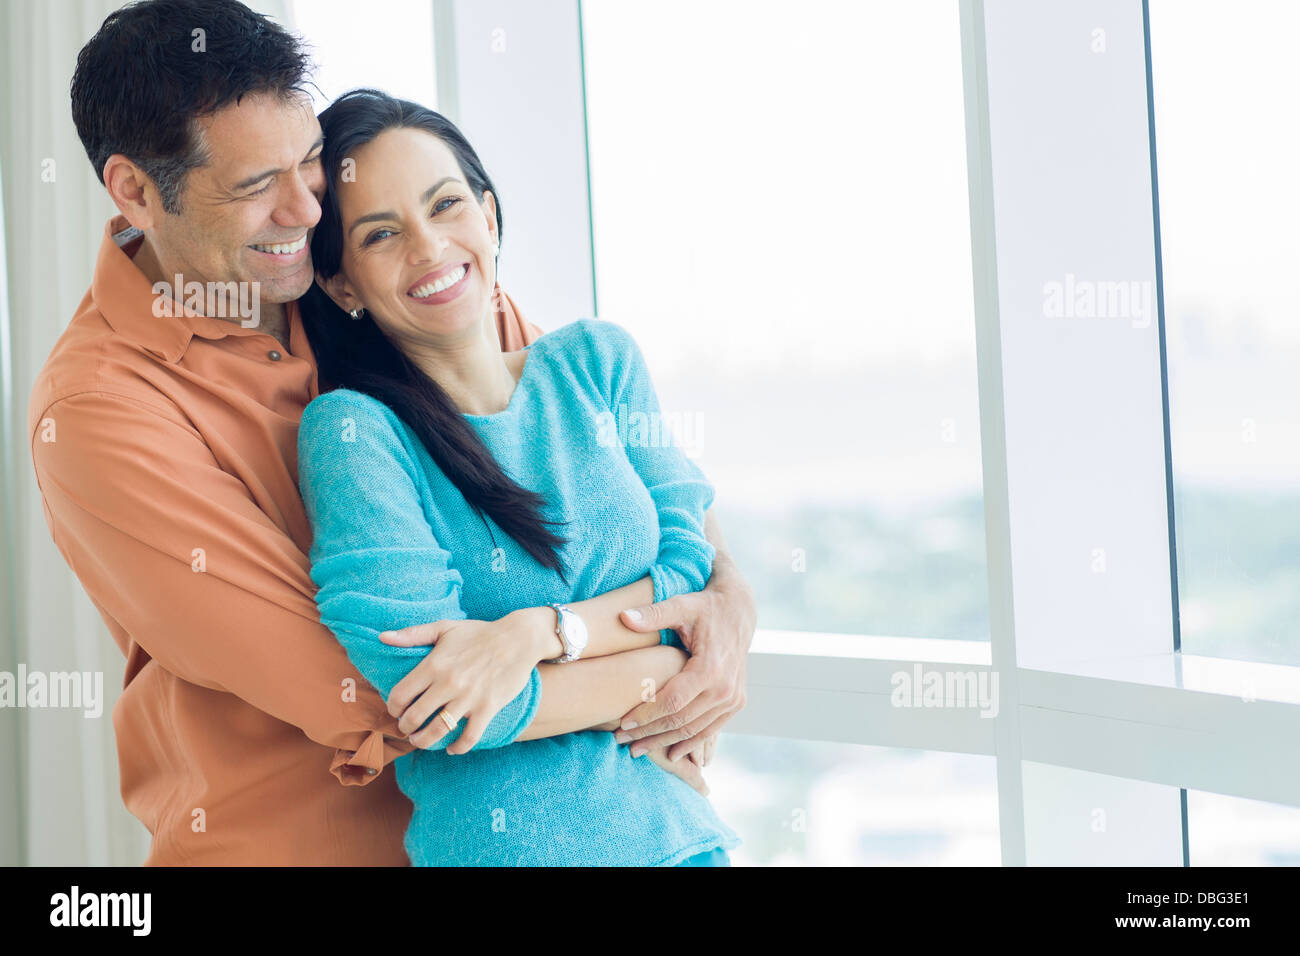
125, 297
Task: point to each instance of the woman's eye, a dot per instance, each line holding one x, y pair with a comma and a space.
438, 207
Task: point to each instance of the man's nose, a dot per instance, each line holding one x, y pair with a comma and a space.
301, 204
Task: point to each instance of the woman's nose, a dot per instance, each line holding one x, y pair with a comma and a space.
428, 242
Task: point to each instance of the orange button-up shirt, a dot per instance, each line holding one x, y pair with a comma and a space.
166, 454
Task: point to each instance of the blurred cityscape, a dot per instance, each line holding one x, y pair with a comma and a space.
922, 573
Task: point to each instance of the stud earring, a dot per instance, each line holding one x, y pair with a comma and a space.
356, 313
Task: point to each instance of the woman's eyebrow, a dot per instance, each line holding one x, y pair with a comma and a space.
389, 214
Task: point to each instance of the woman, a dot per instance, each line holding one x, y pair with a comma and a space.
493, 492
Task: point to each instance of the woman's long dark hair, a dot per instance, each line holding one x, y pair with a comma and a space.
355, 353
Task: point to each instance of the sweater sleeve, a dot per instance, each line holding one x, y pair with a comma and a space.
677, 486
374, 557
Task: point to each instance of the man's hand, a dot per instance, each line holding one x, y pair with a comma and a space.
703, 754
685, 767
717, 627
688, 767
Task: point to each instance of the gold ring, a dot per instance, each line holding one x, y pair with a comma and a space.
451, 724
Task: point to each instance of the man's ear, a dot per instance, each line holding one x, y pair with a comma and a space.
338, 289
132, 192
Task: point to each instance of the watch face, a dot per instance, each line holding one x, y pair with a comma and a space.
575, 630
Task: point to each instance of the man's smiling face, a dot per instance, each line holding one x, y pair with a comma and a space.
246, 213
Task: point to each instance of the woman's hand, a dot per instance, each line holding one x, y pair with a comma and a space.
474, 669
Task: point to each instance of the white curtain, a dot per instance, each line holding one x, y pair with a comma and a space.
59, 797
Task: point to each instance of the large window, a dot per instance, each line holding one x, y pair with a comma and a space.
1226, 140
819, 223
1232, 831
796, 266
782, 223
389, 47
812, 803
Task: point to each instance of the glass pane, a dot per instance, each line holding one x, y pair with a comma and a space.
780, 217
1227, 134
1233, 831
806, 803
390, 47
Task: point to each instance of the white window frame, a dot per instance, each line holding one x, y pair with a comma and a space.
1102, 724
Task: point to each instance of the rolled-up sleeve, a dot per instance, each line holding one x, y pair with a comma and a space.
679, 489
180, 554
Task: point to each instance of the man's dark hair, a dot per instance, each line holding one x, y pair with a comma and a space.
148, 74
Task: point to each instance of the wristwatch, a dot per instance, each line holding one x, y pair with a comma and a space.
572, 631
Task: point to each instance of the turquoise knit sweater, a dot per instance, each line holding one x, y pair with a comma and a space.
396, 544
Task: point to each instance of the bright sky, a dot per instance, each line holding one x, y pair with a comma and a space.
1227, 140
389, 46
804, 178
802, 169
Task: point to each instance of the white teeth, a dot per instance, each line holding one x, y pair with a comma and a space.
283, 248
446, 282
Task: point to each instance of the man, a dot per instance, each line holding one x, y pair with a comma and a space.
163, 430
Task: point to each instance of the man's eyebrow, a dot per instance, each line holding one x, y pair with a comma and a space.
387, 214
254, 180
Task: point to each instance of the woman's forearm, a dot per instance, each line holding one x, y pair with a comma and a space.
605, 631
586, 694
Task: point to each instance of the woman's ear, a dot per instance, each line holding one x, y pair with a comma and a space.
490, 210
337, 288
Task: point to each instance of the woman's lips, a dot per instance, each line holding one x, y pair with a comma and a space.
447, 294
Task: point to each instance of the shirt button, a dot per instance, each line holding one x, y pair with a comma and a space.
273, 355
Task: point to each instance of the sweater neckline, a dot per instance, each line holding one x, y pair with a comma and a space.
516, 397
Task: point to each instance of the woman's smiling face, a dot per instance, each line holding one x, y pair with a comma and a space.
411, 226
